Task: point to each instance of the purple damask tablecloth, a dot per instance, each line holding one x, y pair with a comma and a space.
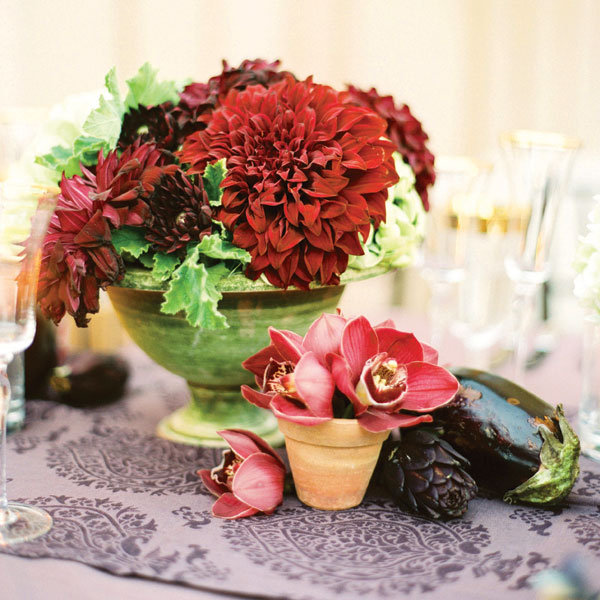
130, 504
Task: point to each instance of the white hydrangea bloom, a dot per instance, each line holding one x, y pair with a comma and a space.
587, 265
396, 240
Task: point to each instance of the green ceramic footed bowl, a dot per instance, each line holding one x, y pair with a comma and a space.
210, 361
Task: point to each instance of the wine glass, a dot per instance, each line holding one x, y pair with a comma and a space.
25, 212
539, 165
443, 253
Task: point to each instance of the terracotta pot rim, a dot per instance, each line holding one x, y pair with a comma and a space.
335, 433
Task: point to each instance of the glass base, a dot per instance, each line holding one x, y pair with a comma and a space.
590, 440
24, 523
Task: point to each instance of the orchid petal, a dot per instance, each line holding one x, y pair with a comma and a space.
325, 335
210, 484
315, 385
359, 343
428, 387
245, 443
229, 507
285, 409
375, 421
430, 354
343, 379
258, 362
257, 398
259, 482
387, 323
404, 347
287, 343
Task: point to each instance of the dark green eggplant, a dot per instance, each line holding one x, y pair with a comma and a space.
89, 379
518, 445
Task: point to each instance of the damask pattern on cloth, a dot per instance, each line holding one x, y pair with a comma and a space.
131, 504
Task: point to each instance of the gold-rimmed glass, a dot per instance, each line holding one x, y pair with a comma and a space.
25, 212
539, 164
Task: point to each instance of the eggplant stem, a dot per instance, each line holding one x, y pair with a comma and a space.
558, 470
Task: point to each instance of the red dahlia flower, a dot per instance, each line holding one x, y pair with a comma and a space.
386, 374
249, 479
123, 183
78, 257
405, 131
306, 176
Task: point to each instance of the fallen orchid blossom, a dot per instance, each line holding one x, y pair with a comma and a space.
249, 479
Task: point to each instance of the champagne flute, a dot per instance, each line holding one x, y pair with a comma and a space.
444, 249
25, 212
539, 164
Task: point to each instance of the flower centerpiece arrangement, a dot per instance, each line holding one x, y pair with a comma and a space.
209, 210
253, 171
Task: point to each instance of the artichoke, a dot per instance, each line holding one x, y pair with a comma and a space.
425, 475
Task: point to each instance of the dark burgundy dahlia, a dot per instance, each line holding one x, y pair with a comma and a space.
156, 124
405, 131
180, 213
78, 257
199, 100
306, 175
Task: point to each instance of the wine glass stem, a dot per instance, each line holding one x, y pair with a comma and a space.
4, 404
439, 313
524, 312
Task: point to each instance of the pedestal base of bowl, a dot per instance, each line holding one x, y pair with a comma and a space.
211, 410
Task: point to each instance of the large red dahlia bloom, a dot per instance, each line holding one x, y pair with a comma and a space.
405, 131
307, 174
78, 257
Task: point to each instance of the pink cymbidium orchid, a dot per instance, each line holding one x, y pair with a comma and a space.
292, 372
388, 374
249, 479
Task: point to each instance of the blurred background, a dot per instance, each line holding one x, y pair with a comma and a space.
468, 69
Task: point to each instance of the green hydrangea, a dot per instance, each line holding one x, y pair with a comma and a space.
395, 242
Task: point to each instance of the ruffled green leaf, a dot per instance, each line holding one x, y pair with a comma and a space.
216, 247
112, 86
60, 159
214, 174
147, 259
105, 122
67, 160
147, 90
131, 240
193, 290
163, 265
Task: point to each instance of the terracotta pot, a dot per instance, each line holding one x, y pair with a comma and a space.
332, 463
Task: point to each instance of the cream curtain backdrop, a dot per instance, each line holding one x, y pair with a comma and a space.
467, 68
